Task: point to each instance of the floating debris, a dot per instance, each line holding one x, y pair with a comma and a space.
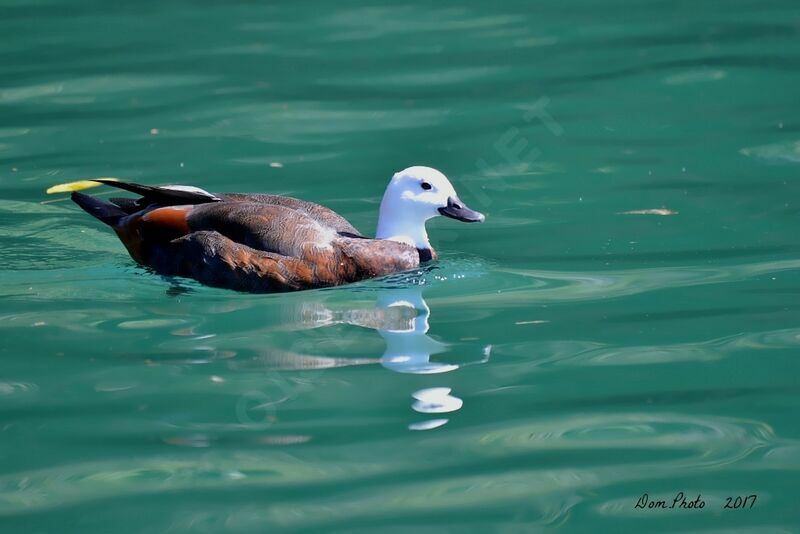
537, 321
695, 76
111, 387
193, 440
655, 211
145, 324
276, 164
288, 439
776, 153
604, 170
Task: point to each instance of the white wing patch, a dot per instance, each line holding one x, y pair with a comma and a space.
190, 189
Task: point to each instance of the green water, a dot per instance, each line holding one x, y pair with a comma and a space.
596, 354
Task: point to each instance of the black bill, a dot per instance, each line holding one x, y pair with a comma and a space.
456, 209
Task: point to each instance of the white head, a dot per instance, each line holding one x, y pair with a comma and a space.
415, 195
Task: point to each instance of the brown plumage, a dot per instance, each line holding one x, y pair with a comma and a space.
251, 242
257, 243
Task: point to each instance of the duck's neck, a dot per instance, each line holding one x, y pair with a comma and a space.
396, 225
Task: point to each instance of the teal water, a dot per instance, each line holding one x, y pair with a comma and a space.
595, 350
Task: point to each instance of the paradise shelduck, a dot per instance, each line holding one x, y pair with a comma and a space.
269, 243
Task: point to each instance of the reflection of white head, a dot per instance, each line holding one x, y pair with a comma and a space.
413, 196
409, 351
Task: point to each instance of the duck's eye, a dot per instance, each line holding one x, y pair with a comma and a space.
426, 186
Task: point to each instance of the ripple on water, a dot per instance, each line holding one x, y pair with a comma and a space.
149, 324
273, 123
547, 497
697, 441
83, 482
533, 286
588, 353
95, 85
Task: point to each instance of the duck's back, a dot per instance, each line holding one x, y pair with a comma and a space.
321, 214
268, 227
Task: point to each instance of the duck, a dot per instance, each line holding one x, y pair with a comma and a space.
264, 243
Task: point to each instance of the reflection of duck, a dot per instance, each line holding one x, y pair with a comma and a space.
266, 243
400, 316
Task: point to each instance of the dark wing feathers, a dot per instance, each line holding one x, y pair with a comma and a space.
160, 195
127, 204
267, 227
321, 214
104, 211
151, 195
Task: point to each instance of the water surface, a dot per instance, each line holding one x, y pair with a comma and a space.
625, 322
